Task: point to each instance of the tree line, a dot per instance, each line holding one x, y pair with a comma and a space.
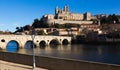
111, 19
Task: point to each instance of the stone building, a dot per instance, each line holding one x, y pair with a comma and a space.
63, 16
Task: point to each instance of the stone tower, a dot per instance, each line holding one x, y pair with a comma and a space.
56, 10
65, 9
87, 16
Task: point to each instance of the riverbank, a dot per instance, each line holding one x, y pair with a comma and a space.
96, 42
54, 63
100, 43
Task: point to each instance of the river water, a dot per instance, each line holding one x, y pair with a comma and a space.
96, 53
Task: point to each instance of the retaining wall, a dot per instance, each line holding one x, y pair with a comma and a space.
52, 63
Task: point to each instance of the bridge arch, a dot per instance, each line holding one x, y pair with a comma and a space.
12, 44
29, 44
54, 42
22, 39
42, 43
65, 42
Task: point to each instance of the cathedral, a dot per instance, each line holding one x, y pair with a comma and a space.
63, 16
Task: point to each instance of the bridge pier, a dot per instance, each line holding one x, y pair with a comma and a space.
2, 46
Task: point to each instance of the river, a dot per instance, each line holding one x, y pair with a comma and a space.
96, 53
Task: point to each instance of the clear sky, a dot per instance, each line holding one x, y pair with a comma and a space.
17, 13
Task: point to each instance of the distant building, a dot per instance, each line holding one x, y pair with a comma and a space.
63, 16
64, 32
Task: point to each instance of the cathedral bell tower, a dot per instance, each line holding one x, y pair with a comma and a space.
56, 10
65, 9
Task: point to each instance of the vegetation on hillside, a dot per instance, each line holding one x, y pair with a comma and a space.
41, 24
110, 19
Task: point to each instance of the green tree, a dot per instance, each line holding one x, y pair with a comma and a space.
17, 28
57, 25
27, 27
66, 25
36, 23
39, 24
41, 32
104, 20
110, 19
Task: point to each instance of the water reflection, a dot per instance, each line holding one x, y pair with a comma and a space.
54, 46
12, 46
42, 46
29, 45
97, 53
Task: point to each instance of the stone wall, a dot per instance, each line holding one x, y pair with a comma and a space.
53, 63
61, 21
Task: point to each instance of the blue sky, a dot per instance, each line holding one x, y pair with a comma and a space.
17, 13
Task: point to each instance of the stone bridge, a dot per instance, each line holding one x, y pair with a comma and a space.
21, 40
